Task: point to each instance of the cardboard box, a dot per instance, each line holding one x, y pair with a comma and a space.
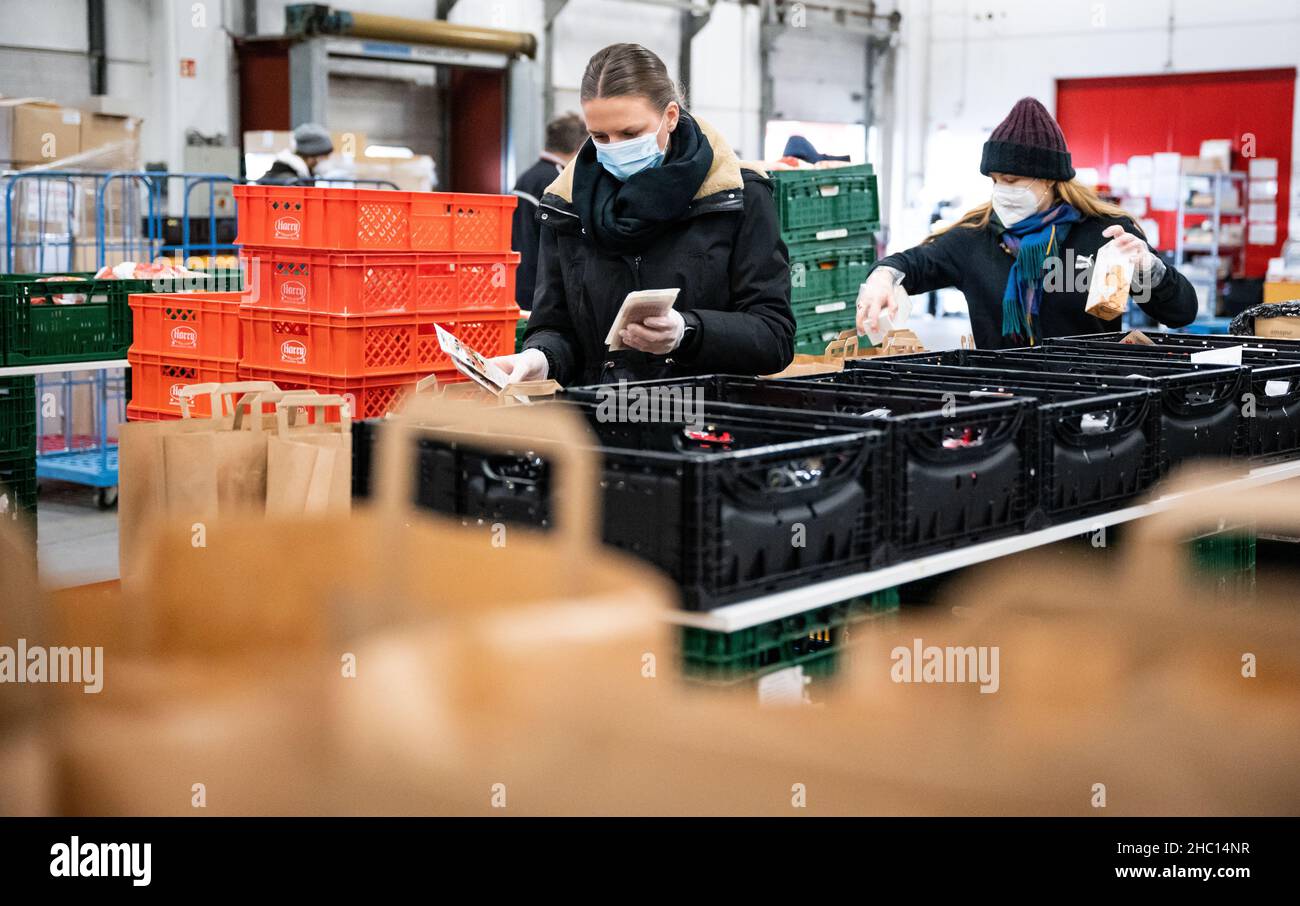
1283, 328
35, 131
1281, 290
99, 129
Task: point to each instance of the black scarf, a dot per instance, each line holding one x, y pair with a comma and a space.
625, 216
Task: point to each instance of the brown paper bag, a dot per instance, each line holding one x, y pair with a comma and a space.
180, 470
309, 464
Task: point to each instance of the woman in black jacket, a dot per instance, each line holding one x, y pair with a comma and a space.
1024, 259
656, 199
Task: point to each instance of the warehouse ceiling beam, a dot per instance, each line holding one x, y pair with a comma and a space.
96, 47
316, 19
693, 19
551, 10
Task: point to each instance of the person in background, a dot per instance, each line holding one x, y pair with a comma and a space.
297, 167
800, 148
656, 200
564, 136
1024, 258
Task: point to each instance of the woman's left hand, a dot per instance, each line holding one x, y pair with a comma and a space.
657, 335
1132, 246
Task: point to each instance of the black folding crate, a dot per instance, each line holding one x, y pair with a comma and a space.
1200, 404
1096, 449
960, 469
729, 507
1272, 422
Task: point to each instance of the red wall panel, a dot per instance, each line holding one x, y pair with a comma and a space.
1106, 121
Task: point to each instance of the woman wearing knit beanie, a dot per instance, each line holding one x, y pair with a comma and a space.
1024, 258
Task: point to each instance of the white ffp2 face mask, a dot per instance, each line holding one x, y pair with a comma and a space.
1014, 203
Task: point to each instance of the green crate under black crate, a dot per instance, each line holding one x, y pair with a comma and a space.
17, 414
830, 270
818, 203
812, 640
1227, 560
37, 330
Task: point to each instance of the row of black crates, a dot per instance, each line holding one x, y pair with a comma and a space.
775, 484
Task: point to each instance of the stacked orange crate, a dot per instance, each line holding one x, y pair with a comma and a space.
344, 287
179, 339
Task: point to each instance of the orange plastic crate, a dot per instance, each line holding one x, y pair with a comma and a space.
360, 345
141, 414
373, 220
344, 283
196, 325
156, 380
368, 397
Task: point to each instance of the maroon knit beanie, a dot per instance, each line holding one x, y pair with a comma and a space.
1028, 143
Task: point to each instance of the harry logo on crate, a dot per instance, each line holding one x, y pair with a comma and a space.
175, 394
294, 352
102, 860
288, 228
185, 337
293, 292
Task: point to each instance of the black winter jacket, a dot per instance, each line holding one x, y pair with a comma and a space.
281, 174
975, 262
726, 256
525, 228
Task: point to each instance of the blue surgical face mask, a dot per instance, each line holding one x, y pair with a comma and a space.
627, 158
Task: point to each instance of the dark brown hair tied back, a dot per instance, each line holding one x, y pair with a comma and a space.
628, 69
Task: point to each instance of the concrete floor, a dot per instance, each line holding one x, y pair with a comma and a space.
76, 541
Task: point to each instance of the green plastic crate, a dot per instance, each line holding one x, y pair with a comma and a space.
812, 341
36, 331
812, 640
820, 271
816, 204
519, 332
17, 414
1227, 560
18, 484
818, 318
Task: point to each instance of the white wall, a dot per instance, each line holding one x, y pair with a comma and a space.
967, 61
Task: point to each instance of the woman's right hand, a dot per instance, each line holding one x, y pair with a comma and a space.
875, 296
529, 365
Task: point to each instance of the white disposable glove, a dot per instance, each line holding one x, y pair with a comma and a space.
1148, 269
529, 365
876, 296
657, 335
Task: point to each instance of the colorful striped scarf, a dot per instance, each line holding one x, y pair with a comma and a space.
1031, 240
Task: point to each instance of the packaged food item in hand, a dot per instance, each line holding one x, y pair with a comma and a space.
1108, 288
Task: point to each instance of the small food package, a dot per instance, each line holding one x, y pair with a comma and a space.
1112, 273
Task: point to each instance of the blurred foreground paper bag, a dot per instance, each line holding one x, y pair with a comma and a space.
254, 647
